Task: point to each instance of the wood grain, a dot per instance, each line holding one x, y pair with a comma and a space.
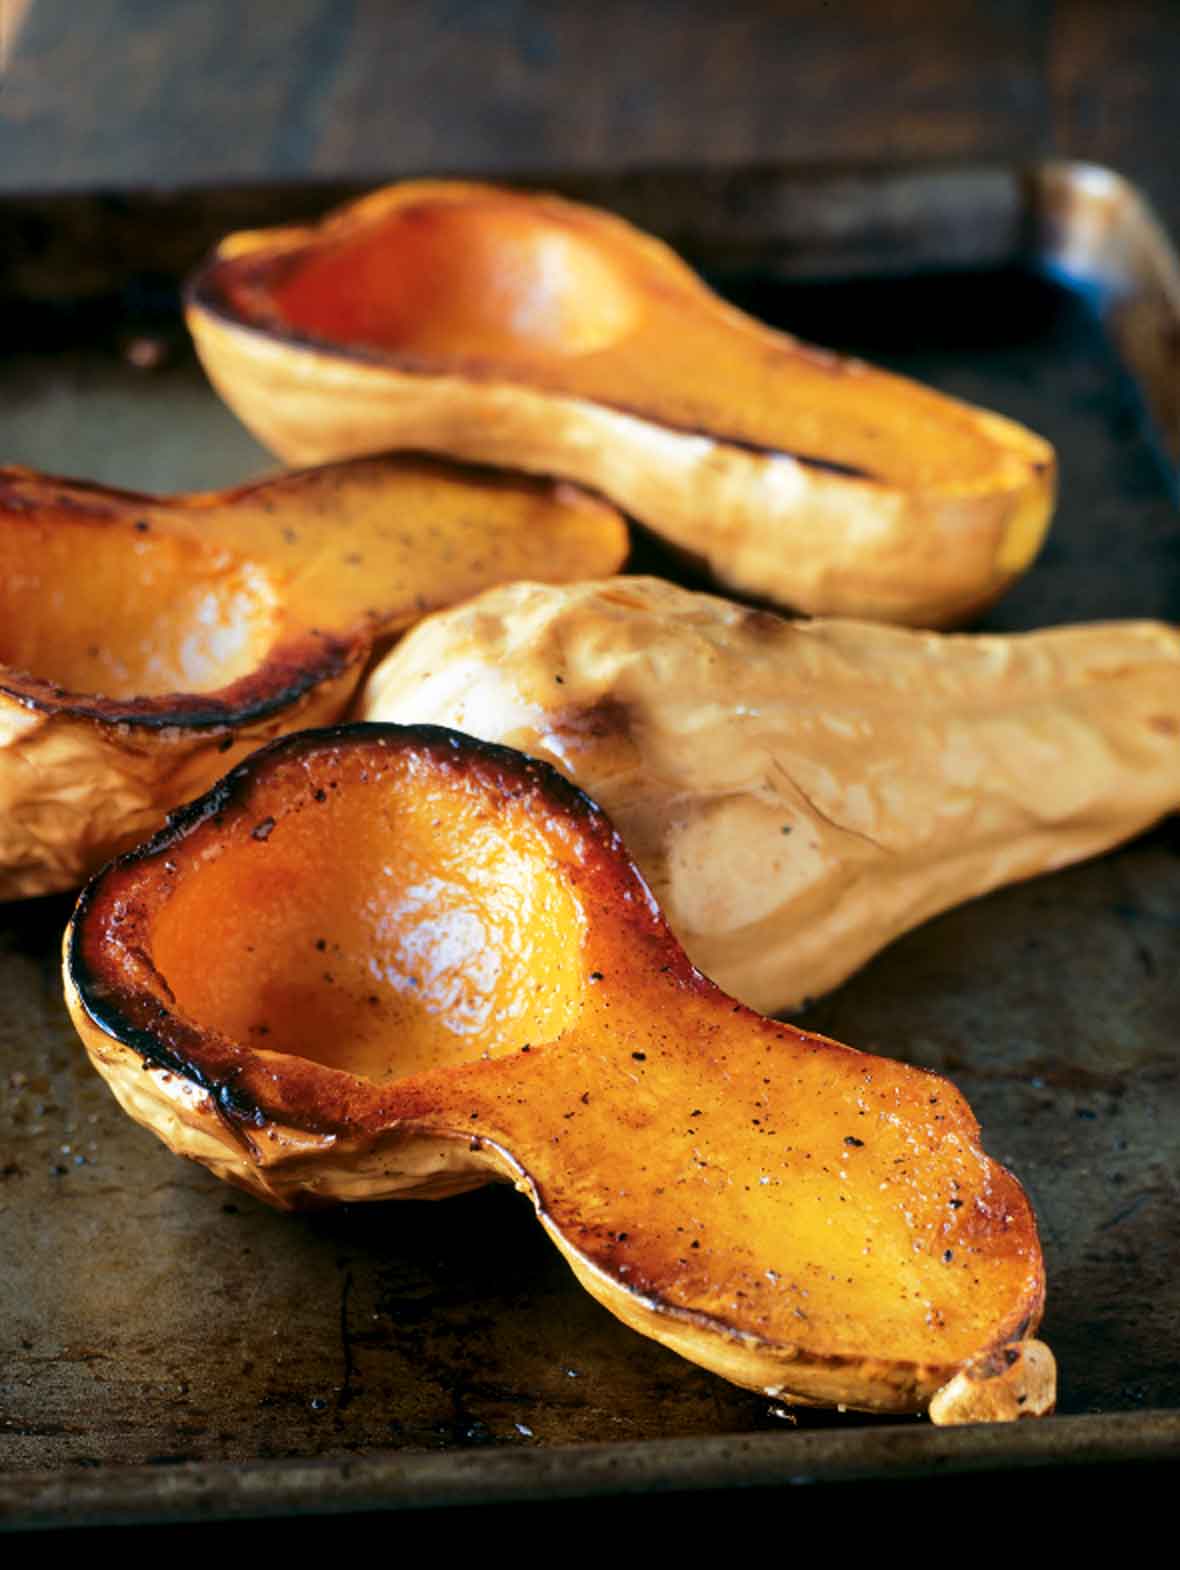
1113, 88
128, 93
132, 91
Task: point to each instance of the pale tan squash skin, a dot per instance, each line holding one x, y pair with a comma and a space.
200, 627
849, 1244
927, 550
800, 794
75, 790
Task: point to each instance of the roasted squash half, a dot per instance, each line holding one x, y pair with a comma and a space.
532, 332
146, 642
378, 961
799, 794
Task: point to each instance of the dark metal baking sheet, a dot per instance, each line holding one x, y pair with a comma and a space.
150, 1318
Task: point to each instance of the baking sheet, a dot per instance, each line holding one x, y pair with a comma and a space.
151, 1317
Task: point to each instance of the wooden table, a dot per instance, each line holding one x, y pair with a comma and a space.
119, 93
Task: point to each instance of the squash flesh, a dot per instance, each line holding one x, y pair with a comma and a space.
493, 282
191, 618
531, 332
205, 625
793, 1214
437, 280
439, 940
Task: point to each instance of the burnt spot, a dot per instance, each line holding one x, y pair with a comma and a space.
238, 1107
82, 505
760, 623
12, 497
581, 725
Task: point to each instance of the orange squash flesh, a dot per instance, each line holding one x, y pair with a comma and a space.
384, 961
200, 626
518, 328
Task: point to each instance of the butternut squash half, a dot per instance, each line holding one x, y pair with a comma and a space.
799, 794
535, 333
382, 961
147, 642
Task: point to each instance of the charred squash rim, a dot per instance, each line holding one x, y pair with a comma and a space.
220, 1066
13, 499
290, 670
243, 1097
288, 674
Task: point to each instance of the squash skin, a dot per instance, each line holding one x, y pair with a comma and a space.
783, 515
799, 795
932, 1273
269, 597
77, 787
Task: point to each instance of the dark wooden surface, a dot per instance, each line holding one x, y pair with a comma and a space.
141, 92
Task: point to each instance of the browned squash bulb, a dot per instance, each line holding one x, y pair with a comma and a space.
799, 794
380, 962
539, 334
148, 642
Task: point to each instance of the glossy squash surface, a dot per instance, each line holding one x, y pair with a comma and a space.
385, 961
146, 643
534, 332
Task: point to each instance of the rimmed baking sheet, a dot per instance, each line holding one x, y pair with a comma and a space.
151, 1319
